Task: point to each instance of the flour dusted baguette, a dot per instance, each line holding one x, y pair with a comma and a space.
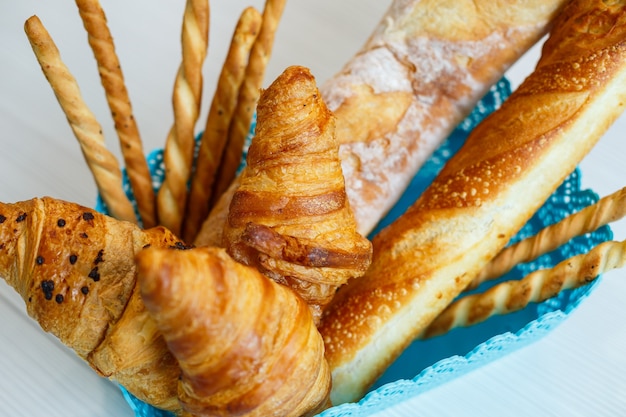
421, 72
424, 67
508, 167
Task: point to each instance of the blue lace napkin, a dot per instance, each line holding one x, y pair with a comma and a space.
428, 363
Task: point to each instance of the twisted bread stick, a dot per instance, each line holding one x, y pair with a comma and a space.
248, 97
179, 146
112, 79
511, 296
220, 116
607, 210
102, 163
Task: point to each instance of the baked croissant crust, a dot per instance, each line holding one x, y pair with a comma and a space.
246, 345
75, 270
290, 216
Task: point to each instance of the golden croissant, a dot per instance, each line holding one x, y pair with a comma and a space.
75, 269
290, 216
246, 345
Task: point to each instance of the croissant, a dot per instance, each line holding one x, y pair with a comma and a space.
290, 216
75, 270
249, 346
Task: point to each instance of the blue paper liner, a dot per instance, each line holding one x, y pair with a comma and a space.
429, 363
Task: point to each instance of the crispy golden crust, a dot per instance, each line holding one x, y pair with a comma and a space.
290, 216
215, 132
186, 101
419, 74
75, 270
112, 80
250, 347
87, 130
511, 296
510, 164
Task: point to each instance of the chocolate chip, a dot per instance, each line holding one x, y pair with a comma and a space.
61, 222
88, 216
39, 260
94, 274
84, 235
180, 246
47, 287
2, 219
21, 218
73, 259
59, 298
85, 290
99, 257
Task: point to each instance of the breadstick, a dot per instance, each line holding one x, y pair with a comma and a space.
248, 96
112, 79
102, 163
538, 286
605, 211
186, 100
220, 114
509, 165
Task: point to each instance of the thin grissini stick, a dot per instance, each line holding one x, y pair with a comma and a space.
417, 77
510, 296
248, 96
424, 67
509, 165
102, 163
220, 114
607, 210
112, 78
186, 100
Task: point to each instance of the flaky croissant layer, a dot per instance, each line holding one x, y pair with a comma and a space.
246, 345
290, 216
75, 269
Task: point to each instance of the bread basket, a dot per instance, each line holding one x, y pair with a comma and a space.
429, 363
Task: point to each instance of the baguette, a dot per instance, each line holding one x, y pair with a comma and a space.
509, 165
423, 69
418, 76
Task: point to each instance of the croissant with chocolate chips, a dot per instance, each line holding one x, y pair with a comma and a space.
75, 269
290, 216
249, 346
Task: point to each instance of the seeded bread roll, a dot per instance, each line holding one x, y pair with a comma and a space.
509, 166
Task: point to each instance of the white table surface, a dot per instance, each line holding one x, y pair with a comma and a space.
577, 370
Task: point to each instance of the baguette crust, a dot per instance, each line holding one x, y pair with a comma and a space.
421, 72
508, 167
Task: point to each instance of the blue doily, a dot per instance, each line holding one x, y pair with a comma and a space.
429, 363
